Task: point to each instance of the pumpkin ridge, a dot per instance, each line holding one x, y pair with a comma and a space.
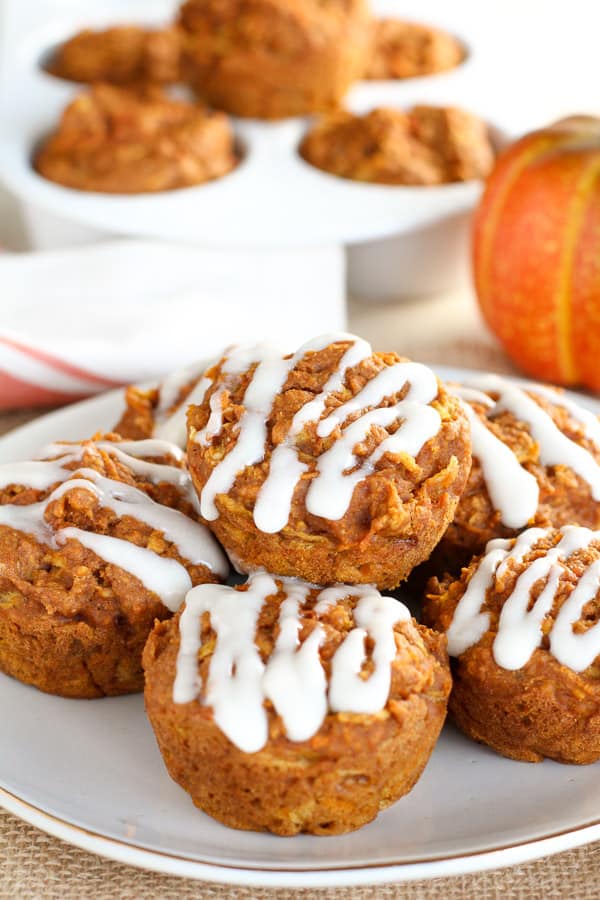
564, 312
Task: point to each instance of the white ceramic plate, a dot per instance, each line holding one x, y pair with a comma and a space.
90, 773
298, 203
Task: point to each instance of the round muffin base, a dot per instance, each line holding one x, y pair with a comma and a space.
542, 710
71, 658
337, 781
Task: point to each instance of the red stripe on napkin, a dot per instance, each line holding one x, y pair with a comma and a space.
59, 364
15, 394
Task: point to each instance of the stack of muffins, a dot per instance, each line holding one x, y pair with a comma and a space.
302, 699
263, 59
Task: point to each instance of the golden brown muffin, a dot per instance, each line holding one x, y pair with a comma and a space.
522, 626
269, 59
295, 741
137, 420
407, 49
96, 542
161, 411
123, 54
426, 145
120, 141
536, 461
334, 464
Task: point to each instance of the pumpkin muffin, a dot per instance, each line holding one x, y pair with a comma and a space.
120, 141
262, 717
97, 541
408, 50
332, 464
269, 59
523, 634
123, 54
426, 145
161, 411
536, 461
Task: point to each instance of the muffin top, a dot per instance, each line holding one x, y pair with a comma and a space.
120, 140
537, 592
105, 518
408, 49
286, 29
279, 648
123, 54
334, 433
161, 411
425, 145
536, 459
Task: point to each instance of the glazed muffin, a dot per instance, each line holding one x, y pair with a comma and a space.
407, 50
332, 464
120, 141
335, 704
427, 145
269, 59
522, 628
161, 411
97, 540
124, 54
536, 461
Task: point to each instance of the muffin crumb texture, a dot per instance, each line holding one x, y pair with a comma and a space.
295, 738
426, 145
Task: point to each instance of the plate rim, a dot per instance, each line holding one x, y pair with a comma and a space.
344, 876
129, 853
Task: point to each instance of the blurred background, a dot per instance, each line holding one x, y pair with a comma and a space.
313, 224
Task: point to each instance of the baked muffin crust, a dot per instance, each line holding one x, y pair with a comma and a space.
121, 141
289, 460
95, 544
123, 54
522, 628
408, 50
536, 461
275, 58
276, 766
426, 145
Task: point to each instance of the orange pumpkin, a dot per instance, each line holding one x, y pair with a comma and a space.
536, 252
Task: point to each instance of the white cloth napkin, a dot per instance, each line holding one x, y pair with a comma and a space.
78, 321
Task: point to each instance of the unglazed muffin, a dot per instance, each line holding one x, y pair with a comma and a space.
282, 707
274, 58
522, 628
536, 461
123, 54
97, 541
424, 146
408, 49
120, 141
332, 464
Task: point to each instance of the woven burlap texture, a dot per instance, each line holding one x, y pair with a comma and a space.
33, 865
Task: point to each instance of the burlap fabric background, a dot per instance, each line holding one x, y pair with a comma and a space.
32, 864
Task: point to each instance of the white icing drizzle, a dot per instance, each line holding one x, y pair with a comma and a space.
170, 388
131, 454
519, 630
585, 417
513, 491
338, 469
31, 473
166, 577
174, 428
293, 678
577, 651
215, 420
